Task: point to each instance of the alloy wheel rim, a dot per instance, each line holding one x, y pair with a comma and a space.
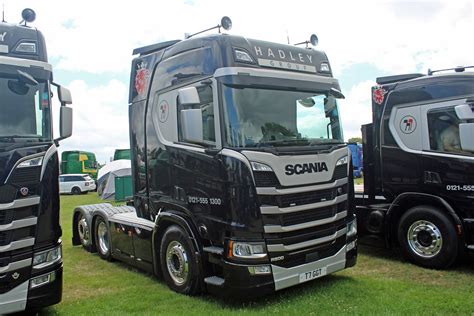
103, 236
425, 239
177, 262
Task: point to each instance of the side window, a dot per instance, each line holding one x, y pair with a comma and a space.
443, 130
79, 178
207, 110
61, 179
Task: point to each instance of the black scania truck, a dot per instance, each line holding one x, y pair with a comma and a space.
30, 245
419, 165
240, 174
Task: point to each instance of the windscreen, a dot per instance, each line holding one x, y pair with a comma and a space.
258, 117
25, 109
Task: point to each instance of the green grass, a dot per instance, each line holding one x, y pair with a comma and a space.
380, 283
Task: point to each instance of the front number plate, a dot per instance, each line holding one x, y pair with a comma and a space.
313, 274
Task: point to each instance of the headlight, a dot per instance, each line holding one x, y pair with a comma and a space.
352, 228
257, 166
342, 161
33, 162
47, 258
246, 250
26, 48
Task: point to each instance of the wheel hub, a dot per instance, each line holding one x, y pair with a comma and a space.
103, 236
424, 238
83, 231
177, 262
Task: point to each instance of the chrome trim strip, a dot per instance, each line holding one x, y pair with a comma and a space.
275, 191
16, 265
286, 277
15, 299
21, 203
284, 229
298, 208
19, 224
49, 153
305, 244
18, 244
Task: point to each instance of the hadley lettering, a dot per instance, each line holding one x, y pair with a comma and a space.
305, 168
283, 55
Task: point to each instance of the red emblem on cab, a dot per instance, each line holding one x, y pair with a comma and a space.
379, 94
141, 79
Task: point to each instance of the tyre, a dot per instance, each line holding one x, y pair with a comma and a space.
76, 190
178, 262
102, 238
427, 237
83, 231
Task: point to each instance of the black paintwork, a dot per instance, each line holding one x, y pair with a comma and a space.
16, 34
166, 179
47, 231
400, 176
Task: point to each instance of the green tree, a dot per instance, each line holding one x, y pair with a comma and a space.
355, 140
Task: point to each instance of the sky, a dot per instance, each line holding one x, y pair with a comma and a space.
90, 46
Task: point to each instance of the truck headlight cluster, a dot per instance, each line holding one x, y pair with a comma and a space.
33, 162
342, 161
246, 250
257, 166
46, 258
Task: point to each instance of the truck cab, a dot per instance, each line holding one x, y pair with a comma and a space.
30, 244
241, 177
418, 165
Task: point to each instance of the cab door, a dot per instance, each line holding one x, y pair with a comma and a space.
448, 168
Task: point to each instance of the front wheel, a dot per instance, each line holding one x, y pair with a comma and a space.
428, 237
102, 238
76, 191
178, 262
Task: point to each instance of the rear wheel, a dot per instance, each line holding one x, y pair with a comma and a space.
76, 190
83, 230
428, 237
102, 238
178, 262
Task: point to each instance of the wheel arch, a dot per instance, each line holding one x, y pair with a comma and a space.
407, 200
164, 220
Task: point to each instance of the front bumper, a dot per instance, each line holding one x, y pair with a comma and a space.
240, 283
22, 297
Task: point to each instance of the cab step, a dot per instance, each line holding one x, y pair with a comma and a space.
215, 281
214, 250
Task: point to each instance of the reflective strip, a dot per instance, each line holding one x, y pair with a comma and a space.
19, 224
305, 244
275, 191
283, 229
15, 299
16, 265
18, 244
20, 203
286, 277
298, 208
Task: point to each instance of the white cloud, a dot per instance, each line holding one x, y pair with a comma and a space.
356, 109
100, 119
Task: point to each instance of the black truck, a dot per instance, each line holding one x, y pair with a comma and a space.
419, 166
240, 174
30, 245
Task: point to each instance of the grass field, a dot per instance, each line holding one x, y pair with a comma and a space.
380, 283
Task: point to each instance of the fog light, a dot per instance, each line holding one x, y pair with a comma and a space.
42, 280
350, 245
266, 269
